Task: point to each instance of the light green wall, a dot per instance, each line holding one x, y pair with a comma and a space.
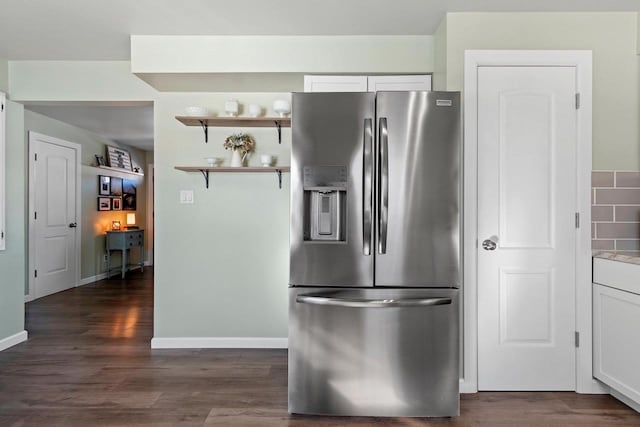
4, 75
221, 264
94, 223
281, 54
12, 260
616, 66
440, 57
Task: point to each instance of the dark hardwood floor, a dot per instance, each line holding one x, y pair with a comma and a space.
88, 362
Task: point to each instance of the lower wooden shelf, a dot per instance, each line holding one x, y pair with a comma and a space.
249, 169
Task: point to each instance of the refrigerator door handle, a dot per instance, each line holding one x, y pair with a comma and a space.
371, 303
367, 187
383, 186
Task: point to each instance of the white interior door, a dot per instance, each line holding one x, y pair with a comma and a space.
55, 216
527, 201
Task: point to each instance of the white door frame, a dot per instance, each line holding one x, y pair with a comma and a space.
150, 177
33, 136
581, 60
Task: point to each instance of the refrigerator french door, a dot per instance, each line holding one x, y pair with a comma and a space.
375, 254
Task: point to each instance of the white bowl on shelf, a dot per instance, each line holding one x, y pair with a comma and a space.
196, 111
213, 161
282, 107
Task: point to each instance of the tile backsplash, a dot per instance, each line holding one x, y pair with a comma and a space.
615, 212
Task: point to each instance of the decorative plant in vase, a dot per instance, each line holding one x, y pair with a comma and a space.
241, 144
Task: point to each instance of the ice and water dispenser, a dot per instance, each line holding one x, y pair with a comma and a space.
325, 203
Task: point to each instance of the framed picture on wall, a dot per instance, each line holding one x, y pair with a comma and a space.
128, 195
116, 186
118, 158
104, 185
104, 203
116, 204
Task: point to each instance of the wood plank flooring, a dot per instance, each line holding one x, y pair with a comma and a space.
88, 362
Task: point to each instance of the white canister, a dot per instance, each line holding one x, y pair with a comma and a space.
231, 107
254, 110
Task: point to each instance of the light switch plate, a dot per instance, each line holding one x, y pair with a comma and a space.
186, 196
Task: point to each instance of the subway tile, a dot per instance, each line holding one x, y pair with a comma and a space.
593, 196
601, 213
627, 245
620, 230
602, 179
593, 230
603, 245
628, 213
617, 196
627, 179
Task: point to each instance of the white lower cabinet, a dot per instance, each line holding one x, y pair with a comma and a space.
616, 342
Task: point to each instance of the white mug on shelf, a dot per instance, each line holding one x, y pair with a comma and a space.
266, 160
254, 110
231, 107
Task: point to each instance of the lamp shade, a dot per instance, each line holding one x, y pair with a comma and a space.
131, 219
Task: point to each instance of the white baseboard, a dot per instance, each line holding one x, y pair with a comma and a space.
468, 386
27, 298
92, 279
13, 340
624, 399
219, 342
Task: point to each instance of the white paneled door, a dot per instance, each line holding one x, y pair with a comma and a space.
526, 228
55, 222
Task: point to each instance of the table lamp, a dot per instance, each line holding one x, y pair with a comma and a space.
131, 221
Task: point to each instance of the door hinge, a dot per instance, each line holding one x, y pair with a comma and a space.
577, 219
35, 158
35, 215
577, 101
577, 339
35, 273
1, 107
1, 234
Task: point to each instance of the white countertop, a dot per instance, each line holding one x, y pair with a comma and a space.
617, 271
618, 257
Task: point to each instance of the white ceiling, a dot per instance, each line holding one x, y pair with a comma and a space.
100, 30
129, 125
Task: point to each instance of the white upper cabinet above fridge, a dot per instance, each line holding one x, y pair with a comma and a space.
367, 83
398, 83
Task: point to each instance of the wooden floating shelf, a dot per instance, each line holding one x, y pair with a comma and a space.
249, 169
221, 121
108, 168
206, 121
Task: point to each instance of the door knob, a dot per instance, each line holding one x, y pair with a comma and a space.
73, 225
490, 244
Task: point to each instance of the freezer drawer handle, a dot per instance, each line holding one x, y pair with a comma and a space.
371, 303
367, 190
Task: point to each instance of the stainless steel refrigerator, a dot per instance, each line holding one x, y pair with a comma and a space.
375, 254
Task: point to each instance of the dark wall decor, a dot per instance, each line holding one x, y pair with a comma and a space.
129, 195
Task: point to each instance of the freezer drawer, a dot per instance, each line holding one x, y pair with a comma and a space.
373, 352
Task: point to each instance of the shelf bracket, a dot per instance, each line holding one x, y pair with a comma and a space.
205, 173
279, 126
205, 128
279, 173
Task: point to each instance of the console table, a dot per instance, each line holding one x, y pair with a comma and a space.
123, 241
